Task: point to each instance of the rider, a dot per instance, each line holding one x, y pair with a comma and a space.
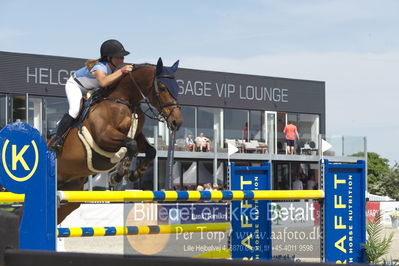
96, 73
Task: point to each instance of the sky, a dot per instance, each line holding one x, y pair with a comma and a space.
351, 45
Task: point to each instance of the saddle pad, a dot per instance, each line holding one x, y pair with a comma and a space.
98, 160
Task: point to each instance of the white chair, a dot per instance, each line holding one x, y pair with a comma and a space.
230, 141
254, 142
180, 144
249, 147
262, 148
240, 145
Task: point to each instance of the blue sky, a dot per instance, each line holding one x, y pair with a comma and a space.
351, 45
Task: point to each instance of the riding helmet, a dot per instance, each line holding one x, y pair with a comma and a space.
113, 48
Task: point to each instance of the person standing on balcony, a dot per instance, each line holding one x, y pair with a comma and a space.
245, 132
290, 132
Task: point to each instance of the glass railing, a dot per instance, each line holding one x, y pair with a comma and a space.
307, 145
345, 146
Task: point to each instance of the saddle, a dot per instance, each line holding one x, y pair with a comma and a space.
89, 100
92, 98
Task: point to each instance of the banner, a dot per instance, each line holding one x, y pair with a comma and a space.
345, 212
250, 219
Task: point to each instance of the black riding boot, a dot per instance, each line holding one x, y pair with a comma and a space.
63, 126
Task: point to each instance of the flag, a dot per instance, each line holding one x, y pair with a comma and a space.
325, 145
231, 149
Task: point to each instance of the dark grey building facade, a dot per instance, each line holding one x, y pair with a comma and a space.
217, 104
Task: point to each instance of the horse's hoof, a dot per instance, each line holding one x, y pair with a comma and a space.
131, 153
115, 179
133, 176
131, 145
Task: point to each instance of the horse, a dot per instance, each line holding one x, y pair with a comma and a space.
106, 136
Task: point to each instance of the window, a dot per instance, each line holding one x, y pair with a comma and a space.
18, 107
188, 126
206, 122
188, 174
35, 113
205, 172
234, 121
161, 173
295, 176
308, 128
281, 179
3, 111
148, 128
256, 125
55, 108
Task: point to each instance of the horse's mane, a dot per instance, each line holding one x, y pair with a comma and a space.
137, 66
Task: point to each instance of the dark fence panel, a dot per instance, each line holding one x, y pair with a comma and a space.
43, 258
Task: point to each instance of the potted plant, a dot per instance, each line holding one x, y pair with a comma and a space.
394, 219
377, 245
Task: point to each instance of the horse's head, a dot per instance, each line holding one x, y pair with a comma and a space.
155, 86
164, 96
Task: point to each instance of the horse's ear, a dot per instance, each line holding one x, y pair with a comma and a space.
175, 66
159, 67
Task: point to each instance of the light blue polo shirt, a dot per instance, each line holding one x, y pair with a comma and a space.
87, 79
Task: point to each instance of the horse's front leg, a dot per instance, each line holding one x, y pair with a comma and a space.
131, 146
150, 153
122, 169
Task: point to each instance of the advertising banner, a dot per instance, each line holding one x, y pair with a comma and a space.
345, 212
191, 213
251, 235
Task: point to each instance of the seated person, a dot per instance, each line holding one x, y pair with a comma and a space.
190, 146
297, 184
208, 187
312, 184
202, 142
200, 188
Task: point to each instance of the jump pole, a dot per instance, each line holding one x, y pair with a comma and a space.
174, 196
142, 230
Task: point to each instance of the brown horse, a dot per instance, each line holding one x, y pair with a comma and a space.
105, 130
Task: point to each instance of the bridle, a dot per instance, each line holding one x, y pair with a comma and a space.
158, 114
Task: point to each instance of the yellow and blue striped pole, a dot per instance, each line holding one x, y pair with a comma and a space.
149, 196
136, 196
142, 230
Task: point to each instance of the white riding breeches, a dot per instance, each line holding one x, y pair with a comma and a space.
74, 94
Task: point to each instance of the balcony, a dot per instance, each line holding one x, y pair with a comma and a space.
334, 148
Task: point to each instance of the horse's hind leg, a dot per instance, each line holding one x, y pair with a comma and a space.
75, 185
150, 153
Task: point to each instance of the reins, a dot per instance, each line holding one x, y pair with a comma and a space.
156, 116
